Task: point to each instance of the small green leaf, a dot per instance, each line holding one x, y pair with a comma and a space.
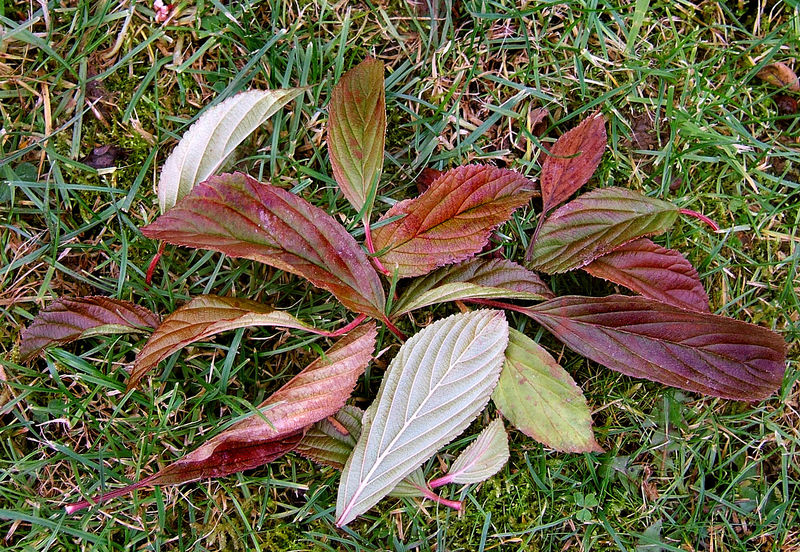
483, 458
541, 399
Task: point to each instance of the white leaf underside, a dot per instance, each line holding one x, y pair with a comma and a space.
484, 457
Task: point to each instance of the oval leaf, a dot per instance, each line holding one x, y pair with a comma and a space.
201, 318
572, 161
594, 224
317, 392
541, 399
452, 220
781, 75
473, 279
439, 381
66, 320
326, 444
653, 271
242, 217
648, 339
480, 460
357, 132
213, 137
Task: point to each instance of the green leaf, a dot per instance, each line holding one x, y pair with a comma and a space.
241, 217
473, 279
439, 381
452, 220
212, 139
483, 458
201, 318
317, 392
594, 224
541, 399
357, 132
67, 320
648, 339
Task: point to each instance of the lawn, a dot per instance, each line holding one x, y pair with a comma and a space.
94, 94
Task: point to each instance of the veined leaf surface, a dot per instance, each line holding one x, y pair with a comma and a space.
648, 339
572, 161
439, 381
473, 279
213, 137
653, 271
483, 458
541, 399
66, 320
594, 224
242, 217
201, 318
357, 132
452, 220
320, 390
325, 444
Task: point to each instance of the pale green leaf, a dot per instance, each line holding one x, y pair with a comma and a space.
483, 458
213, 137
439, 381
541, 399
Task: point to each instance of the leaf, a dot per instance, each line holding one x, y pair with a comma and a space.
325, 444
473, 279
357, 132
213, 137
66, 320
483, 458
647, 339
781, 75
452, 220
653, 271
572, 161
439, 381
317, 392
201, 318
242, 217
594, 224
541, 399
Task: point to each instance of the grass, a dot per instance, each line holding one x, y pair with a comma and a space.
688, 121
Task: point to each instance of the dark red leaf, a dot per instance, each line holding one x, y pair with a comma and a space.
648, 339
658, 273
242, 217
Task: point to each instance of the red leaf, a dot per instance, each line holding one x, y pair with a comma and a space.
242, 217
564, 173
452, 220
647, 339
65, 320
653, 271
426, 178
317, 392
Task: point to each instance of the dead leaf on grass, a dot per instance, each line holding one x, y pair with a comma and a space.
781, 75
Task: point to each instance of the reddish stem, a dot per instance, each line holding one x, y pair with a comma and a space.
700, 216
429, 494
371, 248
343, 330
151, 268
444, 480
80, 505
498, 305
393, 329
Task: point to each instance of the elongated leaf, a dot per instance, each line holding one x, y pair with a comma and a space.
242, 217
483, 458
357, 132
572, 161
655, 272
473, 279
452, 220
320, 390
65, 320
648, 339
541, 399
781, 75
595, 224
213, 137
201, 318
439, 381
326, 444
